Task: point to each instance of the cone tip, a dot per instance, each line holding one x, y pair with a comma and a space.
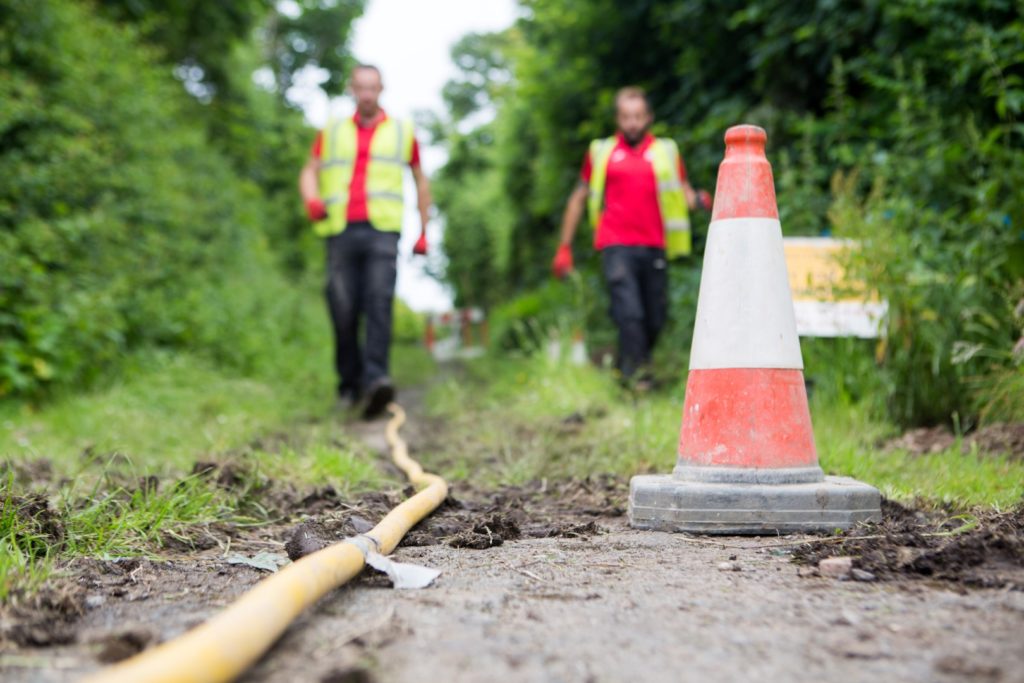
745, 188
746, 133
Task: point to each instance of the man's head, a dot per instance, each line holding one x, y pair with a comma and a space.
633, 114
366, 85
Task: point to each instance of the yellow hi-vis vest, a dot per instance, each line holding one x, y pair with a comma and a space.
671, 200
390, 153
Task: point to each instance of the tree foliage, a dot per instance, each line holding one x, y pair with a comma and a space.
131, 213
896, 122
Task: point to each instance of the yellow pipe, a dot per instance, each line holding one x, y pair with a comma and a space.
229, 643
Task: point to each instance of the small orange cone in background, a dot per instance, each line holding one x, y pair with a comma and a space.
747, 462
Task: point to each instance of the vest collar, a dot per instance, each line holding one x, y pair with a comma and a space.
381, 116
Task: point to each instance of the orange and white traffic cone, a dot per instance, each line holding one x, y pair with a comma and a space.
747, 462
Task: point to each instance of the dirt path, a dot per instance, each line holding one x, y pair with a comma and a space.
577, 597
619, 606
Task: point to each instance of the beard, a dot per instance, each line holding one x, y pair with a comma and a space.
636, 138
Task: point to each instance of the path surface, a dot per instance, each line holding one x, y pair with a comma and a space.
621, 606
618, 606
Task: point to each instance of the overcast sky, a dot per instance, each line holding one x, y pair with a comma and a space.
410, 40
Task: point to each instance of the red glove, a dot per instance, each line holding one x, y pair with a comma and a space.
704, 200
315, 209
421, 245
562, 265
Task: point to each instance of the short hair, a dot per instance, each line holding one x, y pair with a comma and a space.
366, 67
633, 92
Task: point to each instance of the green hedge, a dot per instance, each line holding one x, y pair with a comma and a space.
120, 225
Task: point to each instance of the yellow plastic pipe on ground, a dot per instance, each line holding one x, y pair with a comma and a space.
229, 643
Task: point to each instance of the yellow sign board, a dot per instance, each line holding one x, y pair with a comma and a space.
826, 302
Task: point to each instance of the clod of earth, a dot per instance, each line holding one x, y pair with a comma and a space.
43, 618
124, 645
987, 552
306, 539
1001, 438
488, 533
349, 675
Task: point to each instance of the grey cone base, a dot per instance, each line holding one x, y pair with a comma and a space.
670, 503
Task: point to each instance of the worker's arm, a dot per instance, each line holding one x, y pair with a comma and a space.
691, 195
423, 202
696, 199
562, 264
574, 212
309, 188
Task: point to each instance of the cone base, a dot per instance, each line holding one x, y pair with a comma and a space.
667, 503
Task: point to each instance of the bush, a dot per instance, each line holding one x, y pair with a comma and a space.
120, 225
409, 326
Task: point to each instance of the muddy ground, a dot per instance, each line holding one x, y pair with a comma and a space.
546, 582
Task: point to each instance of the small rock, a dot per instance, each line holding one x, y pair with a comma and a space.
845, 619
836, 567
94, 600
861, 575
729, 567
359, 524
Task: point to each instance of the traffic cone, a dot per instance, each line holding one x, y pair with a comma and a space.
747, 462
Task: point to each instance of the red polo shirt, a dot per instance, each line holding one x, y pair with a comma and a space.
357, 210
631, 215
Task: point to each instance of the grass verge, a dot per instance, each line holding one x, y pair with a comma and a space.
511, 421
173, 447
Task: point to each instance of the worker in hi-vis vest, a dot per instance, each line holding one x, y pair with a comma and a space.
352, 188
635, 187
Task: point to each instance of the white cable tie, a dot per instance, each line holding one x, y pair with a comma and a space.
362, 542
403, 576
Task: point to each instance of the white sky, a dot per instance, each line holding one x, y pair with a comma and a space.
410, 41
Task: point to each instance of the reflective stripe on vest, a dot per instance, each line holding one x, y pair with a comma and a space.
671, 201
390, 153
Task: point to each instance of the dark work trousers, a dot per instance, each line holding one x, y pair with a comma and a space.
361, 271
637, 280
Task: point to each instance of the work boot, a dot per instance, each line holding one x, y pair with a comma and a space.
349, 400
640, 382
379, 395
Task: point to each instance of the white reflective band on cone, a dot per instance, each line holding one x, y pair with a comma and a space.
745, 313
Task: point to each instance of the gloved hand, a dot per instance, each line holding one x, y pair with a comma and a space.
421, 245
562, 265
315, 209
704, 200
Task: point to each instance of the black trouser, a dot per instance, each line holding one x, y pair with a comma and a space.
361, 271
637, 280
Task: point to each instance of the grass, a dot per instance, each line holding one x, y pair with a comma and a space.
848, 444
349, 469
164, 411
516, 421
512, 421
109, 472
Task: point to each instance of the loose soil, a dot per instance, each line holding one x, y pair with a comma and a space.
1001, 438
985, 549
546, 582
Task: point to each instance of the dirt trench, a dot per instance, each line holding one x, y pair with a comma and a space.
546, 582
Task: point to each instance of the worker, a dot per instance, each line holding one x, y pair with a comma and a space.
638, 197
352, 189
